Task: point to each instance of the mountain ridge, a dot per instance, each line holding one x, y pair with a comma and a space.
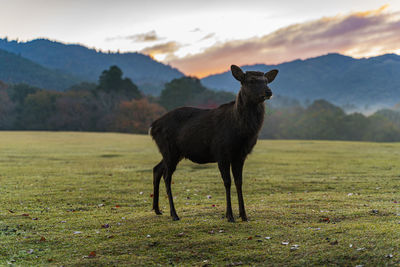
88, 64
337, 78
17, 69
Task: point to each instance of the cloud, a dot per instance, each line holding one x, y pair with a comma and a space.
208, 36
358, 34
150, 36
165, 48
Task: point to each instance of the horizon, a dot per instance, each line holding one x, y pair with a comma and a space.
217, 73
176, 33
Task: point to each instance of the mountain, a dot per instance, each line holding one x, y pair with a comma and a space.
339, 79
16, 69
88, 64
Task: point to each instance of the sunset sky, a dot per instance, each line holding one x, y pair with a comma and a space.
205, 37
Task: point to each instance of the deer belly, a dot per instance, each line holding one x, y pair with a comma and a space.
200, 158
198, 152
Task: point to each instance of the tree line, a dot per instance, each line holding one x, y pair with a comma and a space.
113, 104
324, 121
116, 104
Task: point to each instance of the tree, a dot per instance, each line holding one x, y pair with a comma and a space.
180, 92
321, 120
390, 115
37, 110
111, 82
211, 99
382, 129
355, 126
3, 86
20, 91
7, 114
75, 111
188, 91
283, 123
83, 86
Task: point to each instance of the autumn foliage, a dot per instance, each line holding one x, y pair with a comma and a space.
135, 116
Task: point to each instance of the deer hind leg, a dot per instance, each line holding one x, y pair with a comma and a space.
158, 172
169, 170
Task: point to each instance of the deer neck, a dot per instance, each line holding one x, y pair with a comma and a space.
249, 116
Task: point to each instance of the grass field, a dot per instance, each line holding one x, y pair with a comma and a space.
84, 199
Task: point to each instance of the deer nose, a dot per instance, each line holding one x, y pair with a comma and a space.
268, 93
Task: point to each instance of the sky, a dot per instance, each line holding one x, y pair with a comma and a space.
205, 37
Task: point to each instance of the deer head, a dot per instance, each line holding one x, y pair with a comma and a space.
254, 83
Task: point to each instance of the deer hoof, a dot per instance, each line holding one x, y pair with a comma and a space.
175, 218
158, 212
231, 219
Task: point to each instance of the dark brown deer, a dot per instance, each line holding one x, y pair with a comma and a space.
225, 135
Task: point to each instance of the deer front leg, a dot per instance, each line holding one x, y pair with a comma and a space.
237, 170
226, 176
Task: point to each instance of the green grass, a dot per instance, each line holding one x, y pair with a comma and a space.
320, 195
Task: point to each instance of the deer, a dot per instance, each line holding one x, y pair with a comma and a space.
224, 135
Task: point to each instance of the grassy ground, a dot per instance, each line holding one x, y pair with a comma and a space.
84, 199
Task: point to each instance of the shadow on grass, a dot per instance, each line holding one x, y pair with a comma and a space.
110, 156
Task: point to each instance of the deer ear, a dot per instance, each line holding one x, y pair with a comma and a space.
270, 75
237, 73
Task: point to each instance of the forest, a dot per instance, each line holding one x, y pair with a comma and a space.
115, 104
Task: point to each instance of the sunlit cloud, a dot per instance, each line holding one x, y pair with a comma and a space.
159, 51
150, 36
359, 34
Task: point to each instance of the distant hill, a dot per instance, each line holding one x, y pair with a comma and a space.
88, 64
16, 69
339, 79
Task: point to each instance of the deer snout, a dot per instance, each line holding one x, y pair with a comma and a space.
268, 94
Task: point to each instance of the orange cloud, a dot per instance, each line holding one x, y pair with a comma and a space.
165, 48
358, 34
373, 12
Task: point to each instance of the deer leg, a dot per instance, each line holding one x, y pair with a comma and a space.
158, 171
237, 170
226, 177
167, 179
